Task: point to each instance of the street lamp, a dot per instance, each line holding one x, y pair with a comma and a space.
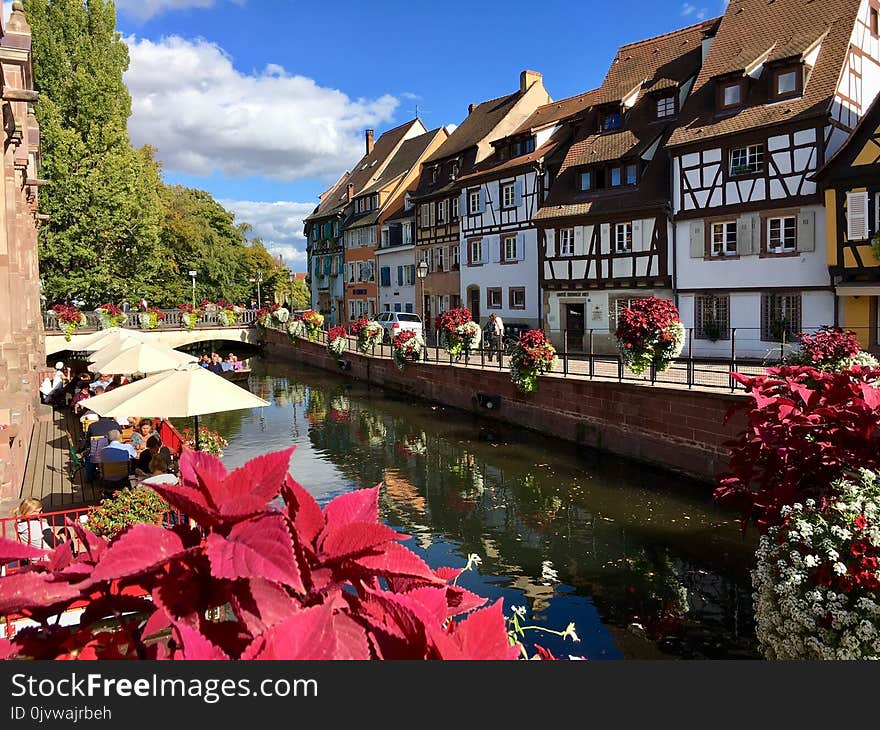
193, 273
258, 281
422, 272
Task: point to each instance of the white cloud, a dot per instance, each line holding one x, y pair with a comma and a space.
146, 9
688, 10
205, 116
279, 224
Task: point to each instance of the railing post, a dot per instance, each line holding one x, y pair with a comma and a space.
437, 347
782, 348
592, 359
732, 358
691, 377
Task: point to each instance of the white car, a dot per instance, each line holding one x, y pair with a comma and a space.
395, 322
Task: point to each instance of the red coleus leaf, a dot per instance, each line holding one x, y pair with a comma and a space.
262, 548
311, 634
6, 649
188, 501
195, 646
303, 511
356, 538
362, 505
396, 561
482, 635
251, 487
544, 654
397, 623
261, 604
11, 550
138, 550
871, 393
30, 590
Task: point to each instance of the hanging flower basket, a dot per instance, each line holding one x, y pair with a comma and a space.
337, 341
649, 332
228, 314
532, 356
461, 333
150, 319
830, 349
407, 347
313, 321
817, 585
189, 316
297, 328
70, 318
369, 334
281, 315
109, 315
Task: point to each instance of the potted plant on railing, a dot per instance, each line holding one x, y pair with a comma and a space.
407, 346
280, 314
109, 315
150, 319
125, 508
189, 316
210, 441
533, 355
830, 349
337, 341
227, 315
313, 322
70, 318
369, 334
461, 333
649, 332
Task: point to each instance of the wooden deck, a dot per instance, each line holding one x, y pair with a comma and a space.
46, 475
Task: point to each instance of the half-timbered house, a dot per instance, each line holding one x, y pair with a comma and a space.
782, 84
499, 255
605, 226
438, 196
851, 182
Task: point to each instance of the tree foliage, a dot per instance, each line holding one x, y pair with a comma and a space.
116, 230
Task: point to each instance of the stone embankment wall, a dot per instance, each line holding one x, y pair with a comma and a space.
672, 428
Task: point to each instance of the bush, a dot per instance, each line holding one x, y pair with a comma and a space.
461, 332
816, 582
830, 348
369, 334
649, 332
805, 429
532, 356
337, 341
407, 346
125, 508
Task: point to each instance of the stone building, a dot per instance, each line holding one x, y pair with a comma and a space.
22, 348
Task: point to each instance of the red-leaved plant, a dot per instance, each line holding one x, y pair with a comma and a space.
297, 582
806, 429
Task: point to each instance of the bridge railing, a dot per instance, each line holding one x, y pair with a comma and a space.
172, 321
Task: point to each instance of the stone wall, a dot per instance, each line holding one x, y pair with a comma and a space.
672, 428
22, 354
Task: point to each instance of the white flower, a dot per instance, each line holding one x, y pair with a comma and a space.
519, 611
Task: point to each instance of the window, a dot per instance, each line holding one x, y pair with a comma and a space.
352, 309
517, 297
385, 276
632, 174
407, 201
434, 170
509, 247
786, 83
508, 195
566, 241
493, 298
410, 274
731, 94
747, 160
473, 202
522, 147
397, 306
439, 258
441, 211
585, 181
425, 215
724, 238
406, 233
453, 173
615, 177
615, 306
780, 317
315, 232
611, 121
875, 21
408, 308
476, 252
456, 254
351, 273
712, 317
781, 235
386, 237
623, 237
666, 106
454, 301
455, 209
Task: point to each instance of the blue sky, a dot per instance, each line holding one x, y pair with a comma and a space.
264, 102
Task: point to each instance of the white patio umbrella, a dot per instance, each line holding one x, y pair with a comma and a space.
188, 391
138, 357
112, 336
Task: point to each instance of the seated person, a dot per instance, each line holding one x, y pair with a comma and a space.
35, 531
153, 448
141, 434
84, 393
216, 365
116, 450
104, 381
102, 427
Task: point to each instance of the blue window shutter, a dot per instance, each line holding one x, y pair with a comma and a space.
517, 192
399, 276
327, 265
341, 263
482, 199
385, 276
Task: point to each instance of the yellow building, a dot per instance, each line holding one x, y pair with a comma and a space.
851, 180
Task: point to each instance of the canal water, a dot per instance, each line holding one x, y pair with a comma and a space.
640, 560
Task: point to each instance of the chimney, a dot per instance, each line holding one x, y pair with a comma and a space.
350, 190
471, 108
369, 137
527, 78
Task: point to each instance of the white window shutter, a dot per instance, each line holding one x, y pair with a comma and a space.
857, 216
550, 243
698, 239
578, 240
806, 230
745, 236
648, 232
637, 235
520, 247
605, 238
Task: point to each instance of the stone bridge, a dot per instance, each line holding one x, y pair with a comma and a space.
170, 332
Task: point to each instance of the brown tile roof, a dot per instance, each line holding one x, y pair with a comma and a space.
363, 173
780, 29
490, 167
557, 111
480, 122
408, 155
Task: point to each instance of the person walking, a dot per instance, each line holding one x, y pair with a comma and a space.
496, 336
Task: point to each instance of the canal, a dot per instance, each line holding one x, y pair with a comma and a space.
640, 560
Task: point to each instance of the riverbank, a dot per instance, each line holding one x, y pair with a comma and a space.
674, 428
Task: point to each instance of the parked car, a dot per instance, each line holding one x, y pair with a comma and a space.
395, 322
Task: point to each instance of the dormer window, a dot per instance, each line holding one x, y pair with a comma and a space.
522, 147
787, 81
611, 120
666, 106
585, 180
434, 170
454, 170
732, 94
601, 178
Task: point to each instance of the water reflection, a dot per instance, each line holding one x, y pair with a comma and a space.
641, 561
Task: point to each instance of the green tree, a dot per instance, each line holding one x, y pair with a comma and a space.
300, 297
102, 240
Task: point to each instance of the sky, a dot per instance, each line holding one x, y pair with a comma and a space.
264, 103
